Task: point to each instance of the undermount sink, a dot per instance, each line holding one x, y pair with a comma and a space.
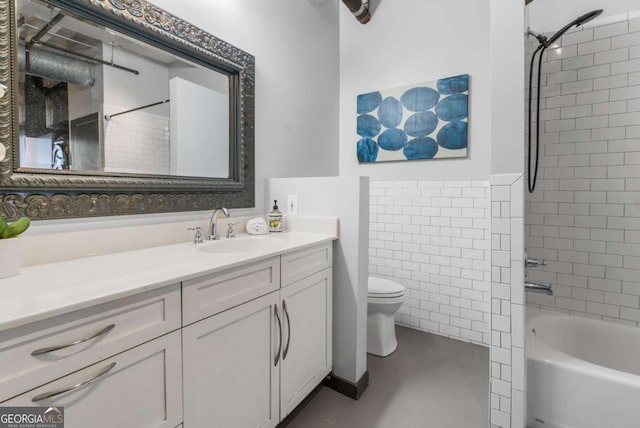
237, 245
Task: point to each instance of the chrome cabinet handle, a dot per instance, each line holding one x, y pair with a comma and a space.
70, 388
275, 311
75, 342
286, 348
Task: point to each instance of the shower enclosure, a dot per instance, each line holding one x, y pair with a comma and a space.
583, 215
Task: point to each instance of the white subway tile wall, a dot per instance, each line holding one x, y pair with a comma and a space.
584, 217
433, 237
136, 142
508, 362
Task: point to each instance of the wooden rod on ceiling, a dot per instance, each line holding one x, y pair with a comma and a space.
359, 9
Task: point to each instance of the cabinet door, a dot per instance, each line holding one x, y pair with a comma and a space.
230, 374
306, 358
139, 388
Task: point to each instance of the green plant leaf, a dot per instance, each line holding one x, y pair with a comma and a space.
15, 228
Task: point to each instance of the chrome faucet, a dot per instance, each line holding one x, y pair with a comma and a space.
539, 286
213, 223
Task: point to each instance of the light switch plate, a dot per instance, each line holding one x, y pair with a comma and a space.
292, 205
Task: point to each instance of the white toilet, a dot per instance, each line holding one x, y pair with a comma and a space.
384, 299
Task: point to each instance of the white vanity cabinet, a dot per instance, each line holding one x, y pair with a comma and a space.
114, 364
249, 366
236, 345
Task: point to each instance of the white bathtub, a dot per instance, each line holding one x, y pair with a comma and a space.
581, 373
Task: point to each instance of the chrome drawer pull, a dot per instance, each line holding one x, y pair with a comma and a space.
90, 379
75, 342
275, 310
286, 347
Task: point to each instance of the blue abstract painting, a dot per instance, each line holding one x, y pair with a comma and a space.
422, 121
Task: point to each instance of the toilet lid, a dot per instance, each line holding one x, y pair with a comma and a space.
379, 287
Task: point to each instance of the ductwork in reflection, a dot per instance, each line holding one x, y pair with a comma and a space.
50, 65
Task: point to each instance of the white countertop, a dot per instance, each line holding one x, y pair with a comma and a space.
44, 291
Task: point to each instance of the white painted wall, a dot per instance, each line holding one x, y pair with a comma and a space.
413, 41
507, 87
346, 198
551, 15
297, 67
199, 130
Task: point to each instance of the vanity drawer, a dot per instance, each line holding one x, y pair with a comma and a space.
139, 388
212, 294
301, 264
36, 353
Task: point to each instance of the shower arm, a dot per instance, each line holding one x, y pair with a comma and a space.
542, 39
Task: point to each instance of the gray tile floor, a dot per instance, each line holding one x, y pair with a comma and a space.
430, 381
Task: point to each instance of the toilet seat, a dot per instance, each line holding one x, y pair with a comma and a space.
380, 288
373, 303
385, 296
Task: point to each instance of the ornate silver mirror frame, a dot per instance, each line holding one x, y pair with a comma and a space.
55, 194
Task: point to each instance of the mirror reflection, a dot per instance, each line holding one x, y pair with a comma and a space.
95, 100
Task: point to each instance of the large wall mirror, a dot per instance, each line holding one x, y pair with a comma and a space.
118, 107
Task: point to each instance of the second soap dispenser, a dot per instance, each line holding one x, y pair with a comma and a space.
275, 219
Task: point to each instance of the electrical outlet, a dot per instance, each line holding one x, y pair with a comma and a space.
292, 205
